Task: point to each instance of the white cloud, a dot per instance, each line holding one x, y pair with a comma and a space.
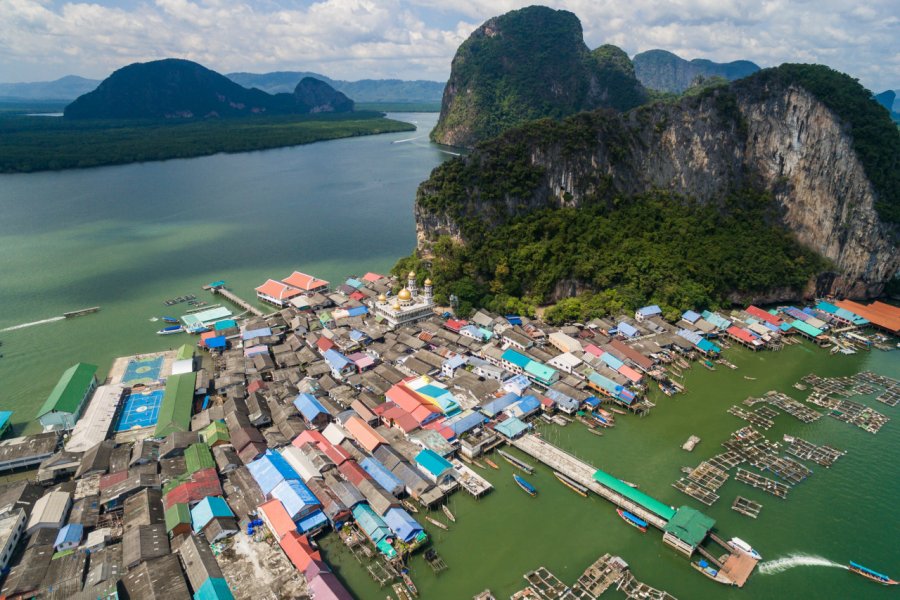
351, 39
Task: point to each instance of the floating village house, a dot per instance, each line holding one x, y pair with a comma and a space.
67, 400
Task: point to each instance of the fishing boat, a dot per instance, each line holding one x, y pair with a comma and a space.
169, 319
527, 487
872, 575
478, 464
665, 389
170, 330
596, 432
748, 378
448, 514
571, 484
618, 411
409, 506
407, 580
705, 568
437, 523
632, 520
601, 420
491, 464
629, 484
709, 365
83, 311
521, 464
401, 593
740, 544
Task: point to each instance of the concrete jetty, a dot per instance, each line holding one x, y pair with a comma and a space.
234, 299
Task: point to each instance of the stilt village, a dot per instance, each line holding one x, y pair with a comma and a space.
210, 471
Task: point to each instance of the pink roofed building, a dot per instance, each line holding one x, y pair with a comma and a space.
277, 293
306, 283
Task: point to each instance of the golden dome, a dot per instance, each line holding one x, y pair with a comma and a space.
412, 274
396, 306
404, 294
428, 282
382, 298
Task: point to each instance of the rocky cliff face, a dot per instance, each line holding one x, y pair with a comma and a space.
779, 139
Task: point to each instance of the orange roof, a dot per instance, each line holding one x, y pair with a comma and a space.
277, 518
879, 313
302, 281
297, 548
363, 433
310, 436
411, 402
372, 277
277, 290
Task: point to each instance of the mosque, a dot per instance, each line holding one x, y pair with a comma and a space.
407, 306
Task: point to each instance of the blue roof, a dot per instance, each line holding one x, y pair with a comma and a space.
512, 427
382, 475
214, 588
298, 499
514, 319
433, 462
356, 336
208, 509
373, 525
225, 324
354, 283
516, 358
649, 311
4, 418
524, 407
563, 400
402, 524
269, 470
466, 422
455, 361
309, 407
611, 387
495, 406
312, 521
216, 342
357, 311
611, 360
716, 319
626, 329
255, 333
70, 534
690, 316
336, 360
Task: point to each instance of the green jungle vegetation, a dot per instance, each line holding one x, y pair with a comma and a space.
42, 143
655, 248
876, 138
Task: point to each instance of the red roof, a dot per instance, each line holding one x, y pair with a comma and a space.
203, 483
112, 479
741, 334
633, 355
277, 290
304, 282
411, 402
372, 277
298, 550
337, 454
630, 373
277, 518
354, 473
397, 417
593, 350
357, 296
256, 385
546, 402
310, 436
765, 316
455, 324
323, 344
363, 433
879, 313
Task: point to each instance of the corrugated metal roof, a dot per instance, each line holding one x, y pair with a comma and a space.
214, 588
177, 514
309, 407
689, 525
620, 487
364, 433
208, 509
512, 427
198, 456
382, 475
175, 410
70, 390
402, 524
277, 518
269, 470
297, 498
432, 462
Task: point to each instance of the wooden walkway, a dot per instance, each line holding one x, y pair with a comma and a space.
237, 300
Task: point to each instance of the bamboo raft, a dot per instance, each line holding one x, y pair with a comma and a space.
754, 418
696, 491
726, 460
779, 490
746, 507
821, 455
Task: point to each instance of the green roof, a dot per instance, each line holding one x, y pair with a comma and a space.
184, 352
70, 390
623, 489
690, 525
176, 515
806, 328
197, 456
541, 371
175, 482
217, 431
175, 410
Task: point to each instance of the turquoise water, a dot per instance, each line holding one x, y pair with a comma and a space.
128, 237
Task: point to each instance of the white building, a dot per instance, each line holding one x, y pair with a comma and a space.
566, 362
11, 526
564, 342
49, 512
408, 306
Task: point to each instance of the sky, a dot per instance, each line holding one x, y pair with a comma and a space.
42, 40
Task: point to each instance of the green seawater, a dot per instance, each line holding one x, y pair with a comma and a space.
128, 237
846, 512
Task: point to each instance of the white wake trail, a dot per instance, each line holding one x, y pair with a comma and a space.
32, 324
780, 565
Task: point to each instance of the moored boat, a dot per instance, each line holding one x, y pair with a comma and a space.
407, 580
170, 330
871, 575
491, 464
436, 523
571, 484
409, 506
527, 487
632, 520
618, 411
169, 319
448, 514
740, 544
520, 464
478, 464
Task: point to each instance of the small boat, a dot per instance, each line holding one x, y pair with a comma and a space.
407, 580
618, 411
596, 432
629, 484
170, 330
705, 568
478, 464
747, 377
743, 546
691, 443
409, 506
632, 520
437, 523
83, 311
520, 464
709, 365
526, 487
448, 514
870, 574
401, 593
571, 484
491, 464
169, 319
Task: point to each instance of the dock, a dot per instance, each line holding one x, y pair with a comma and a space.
602, 575
746, 507
632, 588
473, 483
234, 299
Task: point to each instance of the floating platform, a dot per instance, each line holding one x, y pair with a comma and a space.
746, 507
779, 490
691, 443
696, 491
821, 455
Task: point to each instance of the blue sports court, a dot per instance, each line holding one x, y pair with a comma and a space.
143, 371
141, 410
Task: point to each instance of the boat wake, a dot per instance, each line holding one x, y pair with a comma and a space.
32, 324
780, 565
408, 139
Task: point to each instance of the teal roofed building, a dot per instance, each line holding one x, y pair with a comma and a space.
66, 402
5, 416
649, 503
214, 588
541, 373
437, 468
686, 529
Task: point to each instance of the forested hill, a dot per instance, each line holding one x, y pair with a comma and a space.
802, 154
664, 71
527, 64
180, 89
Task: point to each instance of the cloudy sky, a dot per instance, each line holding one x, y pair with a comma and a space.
416, 39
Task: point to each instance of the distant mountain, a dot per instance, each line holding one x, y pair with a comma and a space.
888, 99
175, 88
64, 88
365, 90
666, 72
528, 64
